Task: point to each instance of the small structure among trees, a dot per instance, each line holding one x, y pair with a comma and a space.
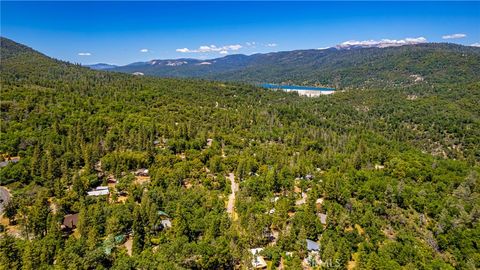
69, 222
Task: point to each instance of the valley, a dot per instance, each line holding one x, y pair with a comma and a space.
201, 168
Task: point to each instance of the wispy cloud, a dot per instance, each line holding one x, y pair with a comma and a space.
323, 48
454, 36
84, 54
144, 50
212, 48
251, 44
383, 42
476, 44
272, 45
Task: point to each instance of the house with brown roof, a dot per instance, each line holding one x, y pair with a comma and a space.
70, 222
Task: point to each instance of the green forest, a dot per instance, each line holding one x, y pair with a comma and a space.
115, 171
364, 68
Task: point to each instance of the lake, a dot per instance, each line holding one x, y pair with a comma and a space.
301, 90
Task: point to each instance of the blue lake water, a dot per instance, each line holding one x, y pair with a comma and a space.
295, 87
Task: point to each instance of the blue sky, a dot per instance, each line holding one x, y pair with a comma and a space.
126, 32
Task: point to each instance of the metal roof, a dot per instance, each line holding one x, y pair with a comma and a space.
312, 245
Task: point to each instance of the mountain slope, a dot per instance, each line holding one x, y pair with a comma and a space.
394, 168
101, 66
341, 68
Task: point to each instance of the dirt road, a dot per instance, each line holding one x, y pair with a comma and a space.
231, 197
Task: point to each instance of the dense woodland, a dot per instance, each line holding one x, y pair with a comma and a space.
397, 170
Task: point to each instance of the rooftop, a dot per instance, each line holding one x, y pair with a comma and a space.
312, 245
70, 221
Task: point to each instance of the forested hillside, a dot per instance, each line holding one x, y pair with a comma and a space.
427, 64
111, 170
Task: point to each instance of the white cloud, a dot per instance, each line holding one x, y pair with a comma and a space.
416, 40
234, 47
323, 48
144, 50
84, 54
183, 50
212, 48
271, 45
383, 42
454, 36
476, 44
251, 43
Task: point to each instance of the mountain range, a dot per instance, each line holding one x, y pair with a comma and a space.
101, 66
365, 175
340, 67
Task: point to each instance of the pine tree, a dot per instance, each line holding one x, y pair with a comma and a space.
138, 231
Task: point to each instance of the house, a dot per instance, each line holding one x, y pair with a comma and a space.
160, 213
312, 245
165, 219
209, 142
141, 172
313, 258
319, 203
12, 160
111, 179
99, 191
323, 218
379, 167
303, 200
258, 261
274, 199
69, 222
166, 223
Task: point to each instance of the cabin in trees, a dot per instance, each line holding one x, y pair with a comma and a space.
99, 191
166, 223
69, 222
141, 172
323, 218
258, 262
312, 245
319, 203
313, 258
111, 179
164, 219
10, 160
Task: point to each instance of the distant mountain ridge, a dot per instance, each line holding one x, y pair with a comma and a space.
352, 65
101, 66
